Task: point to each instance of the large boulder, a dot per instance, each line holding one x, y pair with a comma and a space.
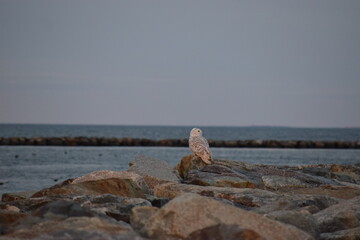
190, 212
153, 171
115, 186
344, 215
224, 232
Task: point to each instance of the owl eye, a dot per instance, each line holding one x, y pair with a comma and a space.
198, 130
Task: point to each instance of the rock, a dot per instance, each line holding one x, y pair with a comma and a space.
74, 228
115, 186
344, 215
153, 171
317, 171
105, 174
62, 209
190, 212
8, 217
30, 204
224, 232
245, 197
342, 192
219, 176
276, 182
139, 217
301, 219
219, 180
156, 201
346, 177
7, 197
348, 234
188, 163
113, 206
298, 202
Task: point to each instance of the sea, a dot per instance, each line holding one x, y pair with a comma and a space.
31, 168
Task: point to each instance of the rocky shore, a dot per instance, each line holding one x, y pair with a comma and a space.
98, 141
224, 200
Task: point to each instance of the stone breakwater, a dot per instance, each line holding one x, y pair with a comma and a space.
224, 200
99, 141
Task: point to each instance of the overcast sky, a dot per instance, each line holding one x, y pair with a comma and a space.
238, 63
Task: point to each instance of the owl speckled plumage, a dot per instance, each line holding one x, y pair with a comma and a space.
199, 146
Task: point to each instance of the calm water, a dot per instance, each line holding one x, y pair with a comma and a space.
163, 132
24, 168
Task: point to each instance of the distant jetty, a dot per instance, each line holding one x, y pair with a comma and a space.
99, 141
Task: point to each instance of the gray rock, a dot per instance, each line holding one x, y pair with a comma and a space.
203, 178
245, 197
348, 234
63, 209
344, 215
301, 219
110, 205
276, 182
152, 167
190, 212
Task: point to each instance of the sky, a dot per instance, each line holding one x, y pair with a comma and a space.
188, 62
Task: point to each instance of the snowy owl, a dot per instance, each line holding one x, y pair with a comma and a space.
199, 145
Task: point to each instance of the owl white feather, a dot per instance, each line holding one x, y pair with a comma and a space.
199, 146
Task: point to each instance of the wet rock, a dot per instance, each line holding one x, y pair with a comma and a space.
344, 215
116, 186
348, 234
224, 232
173, 219
153, 171
301, 219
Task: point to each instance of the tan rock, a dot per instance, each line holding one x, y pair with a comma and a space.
115, 186
224, 232
105, 174
7, 197
187, 164
191, 212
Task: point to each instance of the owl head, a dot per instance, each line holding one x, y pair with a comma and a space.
195, 132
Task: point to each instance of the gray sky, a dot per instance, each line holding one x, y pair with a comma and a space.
289, 63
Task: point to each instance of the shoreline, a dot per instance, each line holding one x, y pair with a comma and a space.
103, 141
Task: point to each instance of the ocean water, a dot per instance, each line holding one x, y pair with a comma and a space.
175, 132
26, 168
